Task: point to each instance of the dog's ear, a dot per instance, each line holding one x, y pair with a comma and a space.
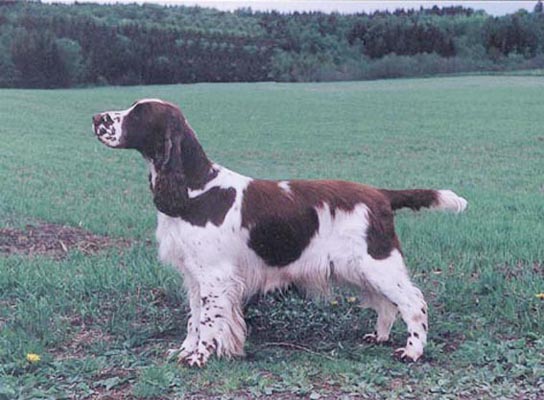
170, 188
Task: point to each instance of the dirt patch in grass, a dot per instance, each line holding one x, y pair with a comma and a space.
54, 241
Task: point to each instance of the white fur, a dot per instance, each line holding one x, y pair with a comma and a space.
112, 137
449, 201
148, 101
214, 259
285, 186
152, 171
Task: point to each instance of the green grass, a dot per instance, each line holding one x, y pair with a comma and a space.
103, 323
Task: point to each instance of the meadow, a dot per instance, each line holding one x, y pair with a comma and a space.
101, 322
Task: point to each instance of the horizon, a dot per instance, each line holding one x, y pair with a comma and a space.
495, 8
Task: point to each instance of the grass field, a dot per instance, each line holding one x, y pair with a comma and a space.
101, 323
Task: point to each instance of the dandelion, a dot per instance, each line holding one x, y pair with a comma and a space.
334, 302
540, 296
33, 358
351, 299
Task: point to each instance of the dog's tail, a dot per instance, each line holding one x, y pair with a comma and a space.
425, 198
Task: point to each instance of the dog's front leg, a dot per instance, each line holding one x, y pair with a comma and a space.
222, 327
190, 344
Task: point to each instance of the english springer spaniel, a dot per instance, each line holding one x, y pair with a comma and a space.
233, 236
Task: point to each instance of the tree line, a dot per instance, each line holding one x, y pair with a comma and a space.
66, 45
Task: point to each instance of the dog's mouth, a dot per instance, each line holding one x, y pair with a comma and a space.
101, 130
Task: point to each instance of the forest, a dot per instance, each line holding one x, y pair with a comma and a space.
85, 44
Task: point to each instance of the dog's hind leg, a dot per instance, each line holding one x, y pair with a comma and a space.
390, 278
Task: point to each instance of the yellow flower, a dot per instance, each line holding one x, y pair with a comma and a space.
334, 302
33, 358
351, 299
540, 296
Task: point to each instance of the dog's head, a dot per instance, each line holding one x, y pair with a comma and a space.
158, 130
146, 126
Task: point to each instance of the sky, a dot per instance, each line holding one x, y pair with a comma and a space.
491, 7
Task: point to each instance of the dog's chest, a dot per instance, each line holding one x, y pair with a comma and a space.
172, 246
185, 245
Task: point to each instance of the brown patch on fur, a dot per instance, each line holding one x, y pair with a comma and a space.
170, 193
414, 199
282, 223
212, 205
381, 237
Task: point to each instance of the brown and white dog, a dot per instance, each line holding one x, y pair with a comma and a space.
233, 236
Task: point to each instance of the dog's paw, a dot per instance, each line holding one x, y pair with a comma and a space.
408, 354
374, 338
189, 346
198, 358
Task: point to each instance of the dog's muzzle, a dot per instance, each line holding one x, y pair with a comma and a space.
102, 125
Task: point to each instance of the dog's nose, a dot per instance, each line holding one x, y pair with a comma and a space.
97, 118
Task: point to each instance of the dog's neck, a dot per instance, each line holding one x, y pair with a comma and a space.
197, 167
